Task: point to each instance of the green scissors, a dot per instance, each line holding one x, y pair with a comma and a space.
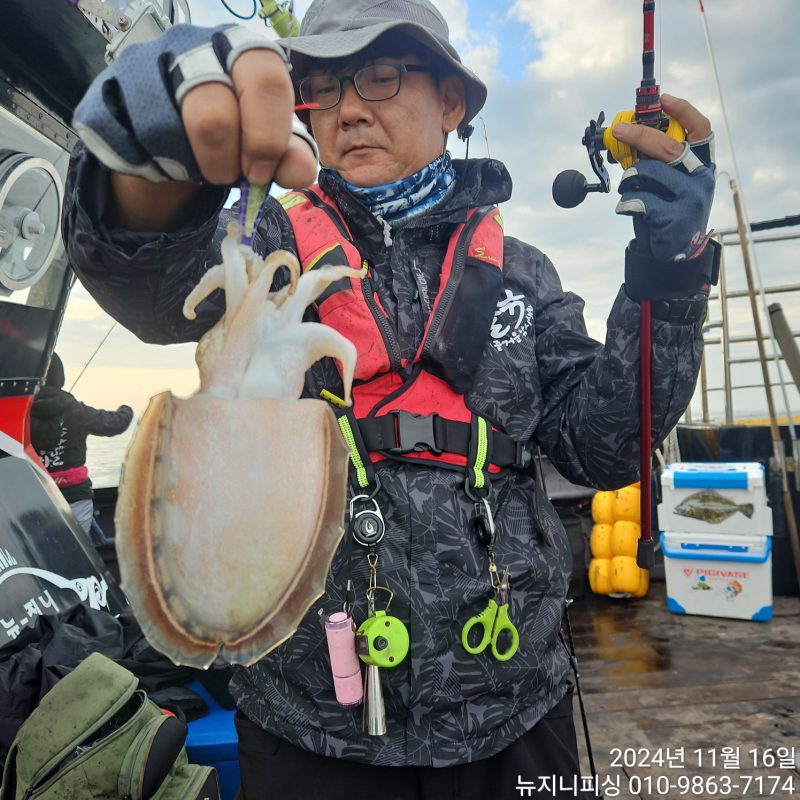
494, 620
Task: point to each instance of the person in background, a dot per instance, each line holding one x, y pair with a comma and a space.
59, 426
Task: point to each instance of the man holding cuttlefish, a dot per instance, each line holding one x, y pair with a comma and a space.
470, 355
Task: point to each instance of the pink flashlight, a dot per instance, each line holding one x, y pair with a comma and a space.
340, 630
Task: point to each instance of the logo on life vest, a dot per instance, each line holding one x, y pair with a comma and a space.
512, 320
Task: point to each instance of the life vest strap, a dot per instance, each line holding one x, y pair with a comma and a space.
477, 483
362, 473
399, 432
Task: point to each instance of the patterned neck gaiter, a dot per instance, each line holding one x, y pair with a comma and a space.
409, 197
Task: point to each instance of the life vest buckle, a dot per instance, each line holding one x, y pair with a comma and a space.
415, 434
523, 456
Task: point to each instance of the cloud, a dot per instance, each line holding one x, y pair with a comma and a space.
478, 49
579, 37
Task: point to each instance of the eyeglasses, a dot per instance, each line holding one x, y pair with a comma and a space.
376, 82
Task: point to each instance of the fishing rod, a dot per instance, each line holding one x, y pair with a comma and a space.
570, 189
279, 16
97, 350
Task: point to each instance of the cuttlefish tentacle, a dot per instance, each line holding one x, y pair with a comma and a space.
278, 371
215, 278
230, 275
226, 376
274, 261
314, 283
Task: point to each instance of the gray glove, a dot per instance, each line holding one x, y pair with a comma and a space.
672, 201
130, 117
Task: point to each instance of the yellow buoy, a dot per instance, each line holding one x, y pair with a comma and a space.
600, 575
626, 504
625, 574
644, 583
602, 508
624, 538
600, 541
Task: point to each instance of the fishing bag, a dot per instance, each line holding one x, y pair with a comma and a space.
95, 735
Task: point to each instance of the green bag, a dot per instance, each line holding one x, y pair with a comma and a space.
94, 735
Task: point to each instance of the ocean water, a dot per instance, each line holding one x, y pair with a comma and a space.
104, 457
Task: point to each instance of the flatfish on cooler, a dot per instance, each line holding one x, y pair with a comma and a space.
712, 507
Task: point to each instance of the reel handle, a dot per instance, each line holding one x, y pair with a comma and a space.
571, 187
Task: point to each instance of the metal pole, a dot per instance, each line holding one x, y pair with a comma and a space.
745, 236
777, 442
785, 337
726, 340
704, 388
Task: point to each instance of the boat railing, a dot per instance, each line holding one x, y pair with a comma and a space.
730, 238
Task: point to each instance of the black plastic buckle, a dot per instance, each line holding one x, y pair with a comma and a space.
415, 434
522, 456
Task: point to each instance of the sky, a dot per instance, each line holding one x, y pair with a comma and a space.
551, 66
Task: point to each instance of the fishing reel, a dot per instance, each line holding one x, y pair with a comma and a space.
571, 187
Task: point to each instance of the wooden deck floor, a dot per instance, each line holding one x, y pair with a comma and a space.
654, 680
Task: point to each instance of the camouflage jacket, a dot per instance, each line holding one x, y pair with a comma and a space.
541, 379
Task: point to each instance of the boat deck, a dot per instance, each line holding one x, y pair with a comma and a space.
654, 680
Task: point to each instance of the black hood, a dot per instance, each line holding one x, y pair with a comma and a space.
480, 182
51, 403
55, 373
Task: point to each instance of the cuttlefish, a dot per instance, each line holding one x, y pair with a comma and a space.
231, 502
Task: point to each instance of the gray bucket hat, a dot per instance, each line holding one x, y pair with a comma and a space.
336, 28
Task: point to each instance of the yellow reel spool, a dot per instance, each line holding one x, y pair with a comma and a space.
624, 153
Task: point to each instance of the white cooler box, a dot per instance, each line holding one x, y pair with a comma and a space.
717, 575
711, 497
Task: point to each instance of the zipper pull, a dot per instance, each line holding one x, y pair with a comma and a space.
387, 230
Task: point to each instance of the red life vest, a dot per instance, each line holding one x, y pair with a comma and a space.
432, 387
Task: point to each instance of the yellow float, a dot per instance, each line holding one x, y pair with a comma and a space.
614, 543
600, 541
603, 508
600, 575
626, 505
624, 539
